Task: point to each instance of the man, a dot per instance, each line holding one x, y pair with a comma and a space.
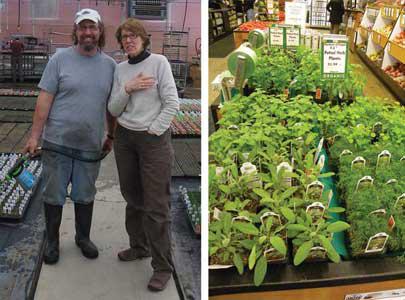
17, 48
70, 114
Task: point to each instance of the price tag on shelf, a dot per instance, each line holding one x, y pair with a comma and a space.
334, 56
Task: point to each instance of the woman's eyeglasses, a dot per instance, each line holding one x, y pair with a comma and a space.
131, 37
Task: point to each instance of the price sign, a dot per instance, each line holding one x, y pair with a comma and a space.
276, 36
334, 56
293, 36
296, 13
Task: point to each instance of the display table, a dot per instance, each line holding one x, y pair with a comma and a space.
331, 293
309, 275
21, 252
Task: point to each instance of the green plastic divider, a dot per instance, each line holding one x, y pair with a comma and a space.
338, 240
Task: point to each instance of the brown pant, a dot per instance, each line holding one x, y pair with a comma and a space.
144, 168
334, 28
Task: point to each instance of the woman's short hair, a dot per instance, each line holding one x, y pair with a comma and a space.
135, 26
101, 40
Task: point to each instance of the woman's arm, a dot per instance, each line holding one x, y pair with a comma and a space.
119, 97
168, 94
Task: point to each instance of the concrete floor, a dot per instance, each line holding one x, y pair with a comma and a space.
105, 278
374, 87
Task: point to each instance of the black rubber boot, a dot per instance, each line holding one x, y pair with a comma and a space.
83, 216
53, 218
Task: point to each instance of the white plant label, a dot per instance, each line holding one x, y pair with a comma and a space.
292, 37
276, 37
376, 243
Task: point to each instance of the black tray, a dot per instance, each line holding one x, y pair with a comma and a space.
11, 218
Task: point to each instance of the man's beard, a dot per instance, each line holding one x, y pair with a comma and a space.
86, 46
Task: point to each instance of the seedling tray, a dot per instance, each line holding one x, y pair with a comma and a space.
11, 193
192, 202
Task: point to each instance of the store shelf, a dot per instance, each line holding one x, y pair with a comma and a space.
284, 277
390, 12
396, 51
387, 80
319, 16
379, 39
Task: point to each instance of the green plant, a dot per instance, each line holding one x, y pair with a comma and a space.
307, 234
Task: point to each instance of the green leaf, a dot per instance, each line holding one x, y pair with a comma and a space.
336, 210
247, 244
252, 258
246, 228
278, 244
230, 206
237, 261
327, 174
302, 252
288, 193
262, 239
288, 214
224, 188
331, 252
213, 250
227, 221
337, 226
260, 271
262, 193
297, 227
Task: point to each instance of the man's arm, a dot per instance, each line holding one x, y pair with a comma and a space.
111, 125
42, 108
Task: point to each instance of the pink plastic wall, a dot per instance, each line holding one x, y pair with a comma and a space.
57, 30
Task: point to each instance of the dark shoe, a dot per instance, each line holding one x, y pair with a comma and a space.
83, 216
132, 254
53, 218
159, 281
88, 248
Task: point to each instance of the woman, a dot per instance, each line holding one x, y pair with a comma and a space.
336, 9
144, 100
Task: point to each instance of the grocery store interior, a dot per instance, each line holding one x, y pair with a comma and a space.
44, 28
306, 143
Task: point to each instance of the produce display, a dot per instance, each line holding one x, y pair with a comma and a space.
188, 119
377, 57
397, 72
19, 92
399, 39
192, 202
386, 30
248, 26
14, 199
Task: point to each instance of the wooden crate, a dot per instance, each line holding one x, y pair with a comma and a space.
239, 37
396, 51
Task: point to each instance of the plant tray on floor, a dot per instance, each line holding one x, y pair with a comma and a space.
14, 200
19, 92
192, 202
187, 124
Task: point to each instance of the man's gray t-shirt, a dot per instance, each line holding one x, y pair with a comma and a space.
81, 86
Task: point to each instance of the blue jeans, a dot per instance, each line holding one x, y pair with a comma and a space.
60, 170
